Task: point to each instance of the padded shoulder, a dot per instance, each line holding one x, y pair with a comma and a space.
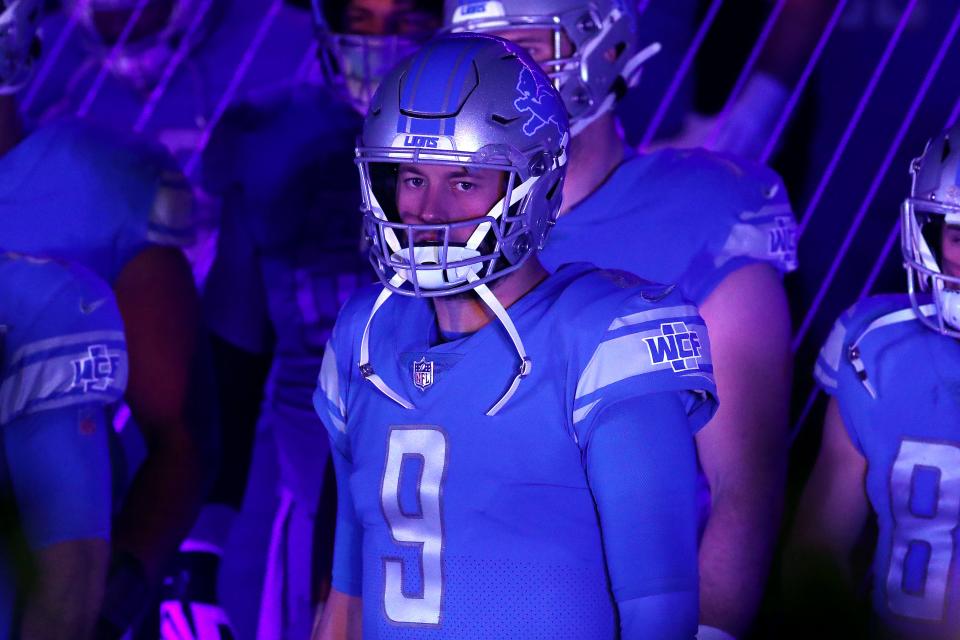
632, 337
875, 315
138, 182
744, 205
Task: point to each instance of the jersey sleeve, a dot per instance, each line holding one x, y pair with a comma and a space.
64, 349
329, 401
140, 189
749, 217
641, 466
648, 349
826, 371
834, 371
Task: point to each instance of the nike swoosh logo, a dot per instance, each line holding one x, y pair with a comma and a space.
89, 307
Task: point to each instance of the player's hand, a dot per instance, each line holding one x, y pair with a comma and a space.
190, 610
747, 127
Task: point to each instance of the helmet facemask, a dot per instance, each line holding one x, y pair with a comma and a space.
354, 64
924, 225
423, 260
19, 43
594, 58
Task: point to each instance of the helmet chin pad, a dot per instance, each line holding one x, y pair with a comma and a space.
948, 303
446, 274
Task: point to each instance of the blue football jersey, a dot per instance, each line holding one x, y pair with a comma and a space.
61, 338
898, 387
686, 217
72, 193
289, 249
476, 526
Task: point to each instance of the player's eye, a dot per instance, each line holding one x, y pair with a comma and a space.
413, 182
465, 186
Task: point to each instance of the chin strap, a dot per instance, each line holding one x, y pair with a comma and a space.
526, 364
367, 371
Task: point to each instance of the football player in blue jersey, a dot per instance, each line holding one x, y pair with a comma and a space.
719, 227
278, 282
890, 443
122, 212
171, 75
514, 450
62, 362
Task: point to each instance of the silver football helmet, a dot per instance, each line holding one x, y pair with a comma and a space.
19, 44
607, 56
354, 64
163, 26
478, 102
933, 205
473, 101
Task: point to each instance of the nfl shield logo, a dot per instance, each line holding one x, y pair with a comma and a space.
423, 373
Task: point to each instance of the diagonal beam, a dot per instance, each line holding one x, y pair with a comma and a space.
681, 73
745, 72
238, 75
857, 115
183, 49
879, 177
87, 103
801, 85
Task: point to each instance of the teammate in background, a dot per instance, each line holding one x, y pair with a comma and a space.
487, 433
890, 442
753, 116
62, 362
168, 78
279, 280
120, 211
719, 227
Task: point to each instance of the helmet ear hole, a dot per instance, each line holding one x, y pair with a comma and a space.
383, 182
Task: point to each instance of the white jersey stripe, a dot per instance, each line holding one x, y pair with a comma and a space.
654, 314
81, 339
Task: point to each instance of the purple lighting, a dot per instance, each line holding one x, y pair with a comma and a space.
306, 65
51, 59
802, 82
88, 99
955, 114
857, 114
878, 178
681, 73
238, 75
172, 65
745, 72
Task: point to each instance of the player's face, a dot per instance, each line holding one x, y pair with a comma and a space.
539, 43
388, 17
440, 194
110, 23
951, 250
